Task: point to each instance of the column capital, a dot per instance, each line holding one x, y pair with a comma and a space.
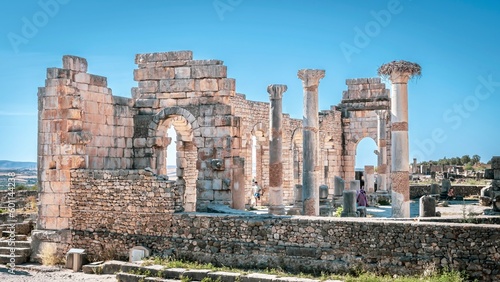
400, 77
310, 77
382, 114
400, 71
276, 91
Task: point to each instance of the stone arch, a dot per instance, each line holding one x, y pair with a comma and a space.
185, 126
361, 106
357, 147
172, 111
362, 128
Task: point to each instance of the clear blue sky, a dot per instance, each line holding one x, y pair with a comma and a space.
264, 42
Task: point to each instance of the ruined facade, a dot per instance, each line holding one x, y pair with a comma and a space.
102, 166
83, 126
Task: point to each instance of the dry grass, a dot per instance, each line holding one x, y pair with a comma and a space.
31, 204
48, 255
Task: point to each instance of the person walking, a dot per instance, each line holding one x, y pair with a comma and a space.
362, 202
256, 190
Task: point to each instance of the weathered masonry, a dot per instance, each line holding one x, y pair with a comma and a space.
83, 126
102, 166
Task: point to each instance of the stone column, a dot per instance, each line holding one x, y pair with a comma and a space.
238, 183
369, 179
400, 182
354, 185
339, 187
275, 150
349, 204
382, 152
310, 191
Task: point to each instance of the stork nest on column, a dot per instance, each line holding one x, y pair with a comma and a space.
412, 69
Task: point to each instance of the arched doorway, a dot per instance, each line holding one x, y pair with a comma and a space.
366, 162
175, 121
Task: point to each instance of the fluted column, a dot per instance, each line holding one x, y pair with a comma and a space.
382, 152
275, 150
310, 190
400, 182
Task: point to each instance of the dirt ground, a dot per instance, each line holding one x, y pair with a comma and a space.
37, 273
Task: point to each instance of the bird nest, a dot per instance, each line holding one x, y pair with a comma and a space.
413, 69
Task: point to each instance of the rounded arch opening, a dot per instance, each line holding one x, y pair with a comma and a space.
366, 155
177, 159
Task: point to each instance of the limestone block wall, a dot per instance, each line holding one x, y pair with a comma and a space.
254, 123
359, 125
194, 97
330, 122
359, 106
301, 244
292, 157
80, 125
109, 122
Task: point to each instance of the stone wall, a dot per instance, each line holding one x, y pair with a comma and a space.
21, 197
417, 191
81, 125
254, 117
300, 244
364, 101
123, 201
193, 96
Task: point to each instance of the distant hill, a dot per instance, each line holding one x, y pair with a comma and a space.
16, 165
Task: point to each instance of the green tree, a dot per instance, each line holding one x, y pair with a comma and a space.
443, 161
465, 159
475, 159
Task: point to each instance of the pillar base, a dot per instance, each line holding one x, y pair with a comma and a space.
294, 211
277, 210
400, 207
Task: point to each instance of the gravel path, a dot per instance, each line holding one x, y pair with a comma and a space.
38, 273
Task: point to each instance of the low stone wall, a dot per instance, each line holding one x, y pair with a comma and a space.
309, 244
122, 201
417, 191
21, 197
113, 211
20, 217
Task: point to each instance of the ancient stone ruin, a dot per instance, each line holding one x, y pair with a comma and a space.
102, 171
490, 195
